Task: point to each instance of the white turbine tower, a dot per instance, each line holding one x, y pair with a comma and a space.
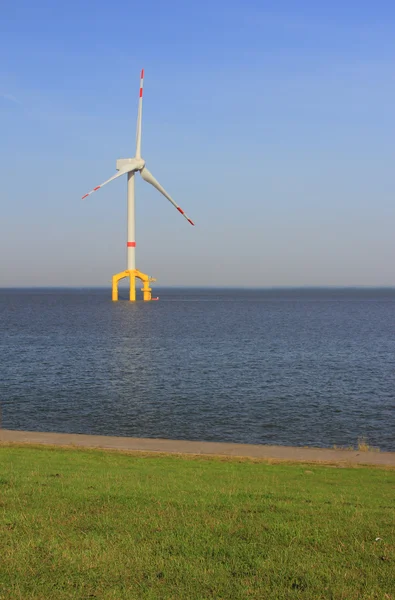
130, 166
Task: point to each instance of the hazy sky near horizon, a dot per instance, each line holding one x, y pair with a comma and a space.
270, 122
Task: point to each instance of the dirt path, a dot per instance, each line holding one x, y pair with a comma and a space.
283, 453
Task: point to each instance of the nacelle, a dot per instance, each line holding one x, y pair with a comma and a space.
122, 163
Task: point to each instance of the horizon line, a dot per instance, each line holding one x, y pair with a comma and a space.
209, 287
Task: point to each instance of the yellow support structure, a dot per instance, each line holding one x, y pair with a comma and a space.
146, 279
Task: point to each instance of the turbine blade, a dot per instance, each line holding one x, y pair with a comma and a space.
149, 178
131, 167
139, 117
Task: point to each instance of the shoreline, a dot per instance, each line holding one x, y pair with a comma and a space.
223, 449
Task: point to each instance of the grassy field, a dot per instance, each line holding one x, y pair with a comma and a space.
96, 524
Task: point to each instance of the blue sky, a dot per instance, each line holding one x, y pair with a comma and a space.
271, 123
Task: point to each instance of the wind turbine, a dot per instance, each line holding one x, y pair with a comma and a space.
130, 166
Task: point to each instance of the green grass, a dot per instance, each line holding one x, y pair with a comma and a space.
96, 524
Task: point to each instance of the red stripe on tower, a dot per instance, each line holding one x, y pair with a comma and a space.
180, 210
131, 244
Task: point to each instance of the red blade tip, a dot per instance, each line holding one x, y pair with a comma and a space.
84, 196
142, 74
191, 222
